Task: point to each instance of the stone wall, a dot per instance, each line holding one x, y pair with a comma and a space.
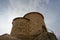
29, 27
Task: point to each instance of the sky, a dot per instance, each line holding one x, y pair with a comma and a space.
10, 9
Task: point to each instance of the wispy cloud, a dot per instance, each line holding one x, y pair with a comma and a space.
17, 8
47, 1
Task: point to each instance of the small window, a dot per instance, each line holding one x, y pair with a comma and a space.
44, 28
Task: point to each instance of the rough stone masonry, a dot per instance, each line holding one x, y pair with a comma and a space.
29, 27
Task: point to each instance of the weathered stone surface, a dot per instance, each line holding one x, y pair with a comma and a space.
8, 37
20, 28
29, 27
52, 36
42, 36
36, 22
46, 36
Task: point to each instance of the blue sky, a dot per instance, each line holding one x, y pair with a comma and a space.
10, 9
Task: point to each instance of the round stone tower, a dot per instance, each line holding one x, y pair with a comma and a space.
37, 23
20, 27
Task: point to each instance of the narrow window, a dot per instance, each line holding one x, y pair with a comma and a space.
44, 28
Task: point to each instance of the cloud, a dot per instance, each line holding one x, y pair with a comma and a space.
47, 1
26, 5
